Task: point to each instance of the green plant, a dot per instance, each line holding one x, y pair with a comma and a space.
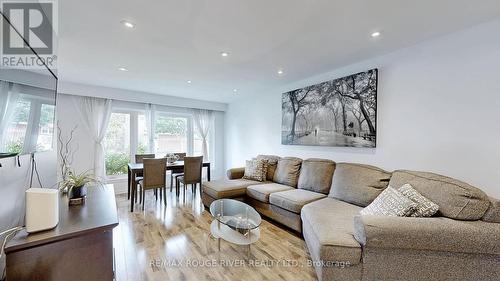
76, 180
116, 163
15, 146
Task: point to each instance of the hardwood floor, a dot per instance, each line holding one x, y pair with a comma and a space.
174, 243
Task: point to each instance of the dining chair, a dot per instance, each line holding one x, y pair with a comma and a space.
139, 158
176, 171
191, 175
155, 177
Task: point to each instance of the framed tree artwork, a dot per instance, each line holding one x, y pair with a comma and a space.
340, 112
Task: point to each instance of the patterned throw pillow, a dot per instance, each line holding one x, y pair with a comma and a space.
254, 170
425, 207
265, 169
272, 162
390, 203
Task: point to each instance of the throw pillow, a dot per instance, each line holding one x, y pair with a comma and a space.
272, 164
390, 203
254, 170
425, 207
265, 169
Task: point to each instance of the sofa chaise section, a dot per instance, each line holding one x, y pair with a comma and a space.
225, 188
328, 229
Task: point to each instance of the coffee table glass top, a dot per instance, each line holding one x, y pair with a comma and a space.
235, 214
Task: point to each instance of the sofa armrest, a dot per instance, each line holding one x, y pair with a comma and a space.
431, 234
235, 173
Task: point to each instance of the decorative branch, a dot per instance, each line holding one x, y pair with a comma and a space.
66, 151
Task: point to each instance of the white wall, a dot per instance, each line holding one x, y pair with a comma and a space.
438, 110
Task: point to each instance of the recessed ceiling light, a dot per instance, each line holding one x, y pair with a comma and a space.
128, 24
189, 81
235, 90
280, 71
122, 69
375, 34
224, 54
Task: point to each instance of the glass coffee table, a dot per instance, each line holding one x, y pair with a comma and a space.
235, 222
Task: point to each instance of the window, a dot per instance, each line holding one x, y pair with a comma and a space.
15, 138
171, 134
31, 126
117, 144
45, 127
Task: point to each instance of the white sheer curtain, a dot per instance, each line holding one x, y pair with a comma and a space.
95, 113
8, 102
203, 120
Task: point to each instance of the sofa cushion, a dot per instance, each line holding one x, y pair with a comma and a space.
227, 188
272, 163
261, 192
357, 183
287, 171
493, 212
328, 229
390, 202
255, 170
316, 175
456, 199
293, 200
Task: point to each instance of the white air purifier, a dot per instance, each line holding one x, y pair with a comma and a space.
42, 209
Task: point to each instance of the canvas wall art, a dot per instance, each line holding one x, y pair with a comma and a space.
340, 112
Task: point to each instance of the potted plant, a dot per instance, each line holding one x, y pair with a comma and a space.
75, 184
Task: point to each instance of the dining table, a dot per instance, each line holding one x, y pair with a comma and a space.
136, 169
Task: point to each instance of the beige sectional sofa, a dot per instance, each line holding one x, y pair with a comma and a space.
321, 199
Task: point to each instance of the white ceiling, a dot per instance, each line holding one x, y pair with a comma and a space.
175, 41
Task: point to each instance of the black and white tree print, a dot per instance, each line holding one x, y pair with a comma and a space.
340, 112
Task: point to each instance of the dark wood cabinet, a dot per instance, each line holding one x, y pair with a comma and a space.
79, 248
